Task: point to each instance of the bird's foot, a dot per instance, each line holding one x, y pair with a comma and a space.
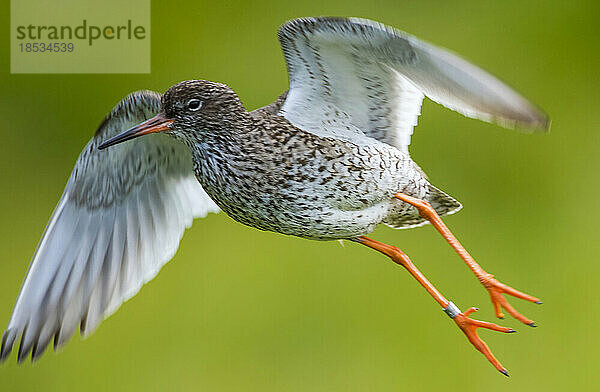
496, 289
469, 328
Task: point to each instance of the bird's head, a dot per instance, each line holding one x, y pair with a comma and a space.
189, 109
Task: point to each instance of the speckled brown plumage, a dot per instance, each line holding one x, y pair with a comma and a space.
264, 172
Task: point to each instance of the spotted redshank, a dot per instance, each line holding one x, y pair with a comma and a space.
328, 160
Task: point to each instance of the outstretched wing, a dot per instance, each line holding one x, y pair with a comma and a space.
119, 220
350, 76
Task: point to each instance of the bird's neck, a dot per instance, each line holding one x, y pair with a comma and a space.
217, 152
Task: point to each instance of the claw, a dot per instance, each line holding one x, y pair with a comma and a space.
496, 289
469, 327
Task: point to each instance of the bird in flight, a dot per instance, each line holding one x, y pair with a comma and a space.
328, 160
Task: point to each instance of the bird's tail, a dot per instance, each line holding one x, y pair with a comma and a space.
441, 202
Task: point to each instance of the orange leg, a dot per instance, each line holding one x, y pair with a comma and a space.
495, 288
466, 324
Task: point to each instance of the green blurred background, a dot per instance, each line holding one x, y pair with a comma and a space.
240, 309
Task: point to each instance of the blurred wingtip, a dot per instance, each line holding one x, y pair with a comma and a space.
540, 123
6, 347
22, 354
536, 122
547, 125
39, 348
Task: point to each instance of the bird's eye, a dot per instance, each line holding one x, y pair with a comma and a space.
194, 104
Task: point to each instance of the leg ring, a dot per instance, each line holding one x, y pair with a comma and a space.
452, 310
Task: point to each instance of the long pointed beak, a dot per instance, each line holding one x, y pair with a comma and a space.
157, 123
